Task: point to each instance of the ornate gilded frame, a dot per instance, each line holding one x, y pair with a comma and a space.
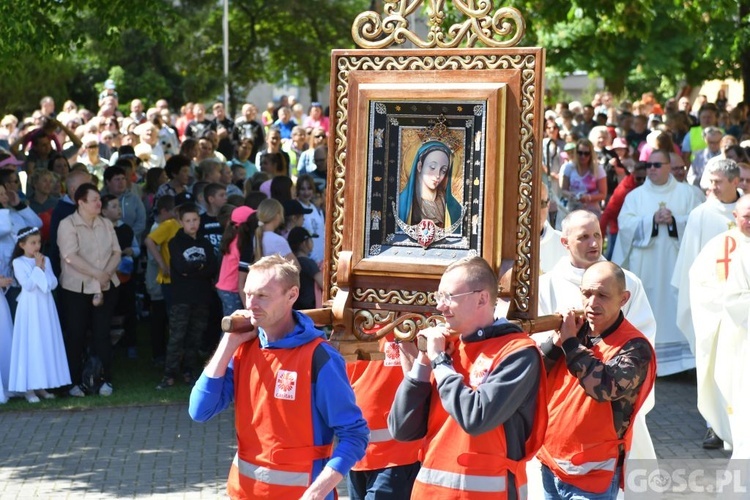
509, 79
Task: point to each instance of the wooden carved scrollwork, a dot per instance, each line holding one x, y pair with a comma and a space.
504, 27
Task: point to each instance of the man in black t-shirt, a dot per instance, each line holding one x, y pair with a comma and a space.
200, 124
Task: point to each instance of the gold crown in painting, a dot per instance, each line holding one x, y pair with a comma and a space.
440, 132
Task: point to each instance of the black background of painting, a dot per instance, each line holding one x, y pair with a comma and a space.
384, 174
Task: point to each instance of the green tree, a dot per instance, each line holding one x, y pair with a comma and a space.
60, 48
642, 44
270, 40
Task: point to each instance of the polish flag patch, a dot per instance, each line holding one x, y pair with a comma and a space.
392, 354
286, 385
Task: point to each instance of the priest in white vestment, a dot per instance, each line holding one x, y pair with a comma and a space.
652, 222
711, 218
559, 290
720, 300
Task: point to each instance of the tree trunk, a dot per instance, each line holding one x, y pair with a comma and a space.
312, 83
232, 104
615, 85
745, 51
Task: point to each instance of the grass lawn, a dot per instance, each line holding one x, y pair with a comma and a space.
134, 383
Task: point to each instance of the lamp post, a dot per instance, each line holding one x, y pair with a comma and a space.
225, 28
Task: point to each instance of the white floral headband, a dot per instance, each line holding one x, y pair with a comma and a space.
26, 233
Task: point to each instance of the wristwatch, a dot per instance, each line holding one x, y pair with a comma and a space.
441, 359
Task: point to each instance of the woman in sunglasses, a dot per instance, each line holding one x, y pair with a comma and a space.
584, 181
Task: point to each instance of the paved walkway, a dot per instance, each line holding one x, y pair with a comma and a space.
158, 452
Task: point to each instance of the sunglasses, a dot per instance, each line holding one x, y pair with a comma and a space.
653, 164
320, 136
583, 153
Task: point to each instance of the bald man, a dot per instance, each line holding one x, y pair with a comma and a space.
600, 372
559, 290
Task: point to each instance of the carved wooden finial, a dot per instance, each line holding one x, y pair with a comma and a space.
483, 24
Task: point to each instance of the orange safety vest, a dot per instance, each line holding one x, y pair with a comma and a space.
581, 446
273, 418
375, 384
458, 466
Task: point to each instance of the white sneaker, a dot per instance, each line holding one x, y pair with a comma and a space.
76, 392
105, 389
31, 397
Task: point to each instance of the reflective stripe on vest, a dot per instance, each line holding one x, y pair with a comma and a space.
586, 467
271, 476
462, 482
380, 436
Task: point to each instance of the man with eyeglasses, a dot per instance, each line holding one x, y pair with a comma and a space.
477, 395
651, 226
709, 219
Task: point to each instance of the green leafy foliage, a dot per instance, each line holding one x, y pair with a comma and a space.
641, 45
161, 48
173, 49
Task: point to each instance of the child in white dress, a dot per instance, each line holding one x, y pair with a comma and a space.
38, 359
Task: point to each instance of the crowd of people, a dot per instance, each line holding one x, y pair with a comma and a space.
644, 226
150, 214
663, 182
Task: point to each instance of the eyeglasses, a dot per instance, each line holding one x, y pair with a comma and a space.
653, 164
583, 153
544, 203
447, 297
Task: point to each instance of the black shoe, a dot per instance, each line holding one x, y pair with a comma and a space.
712, 441
165, 383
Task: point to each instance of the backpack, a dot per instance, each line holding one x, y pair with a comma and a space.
92, 376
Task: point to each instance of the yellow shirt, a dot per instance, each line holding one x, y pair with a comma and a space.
161, 236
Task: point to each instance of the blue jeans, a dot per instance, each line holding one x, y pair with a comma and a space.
392, 483
230, 301
556, 489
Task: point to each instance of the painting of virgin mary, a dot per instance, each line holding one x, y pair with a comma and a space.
427, 194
